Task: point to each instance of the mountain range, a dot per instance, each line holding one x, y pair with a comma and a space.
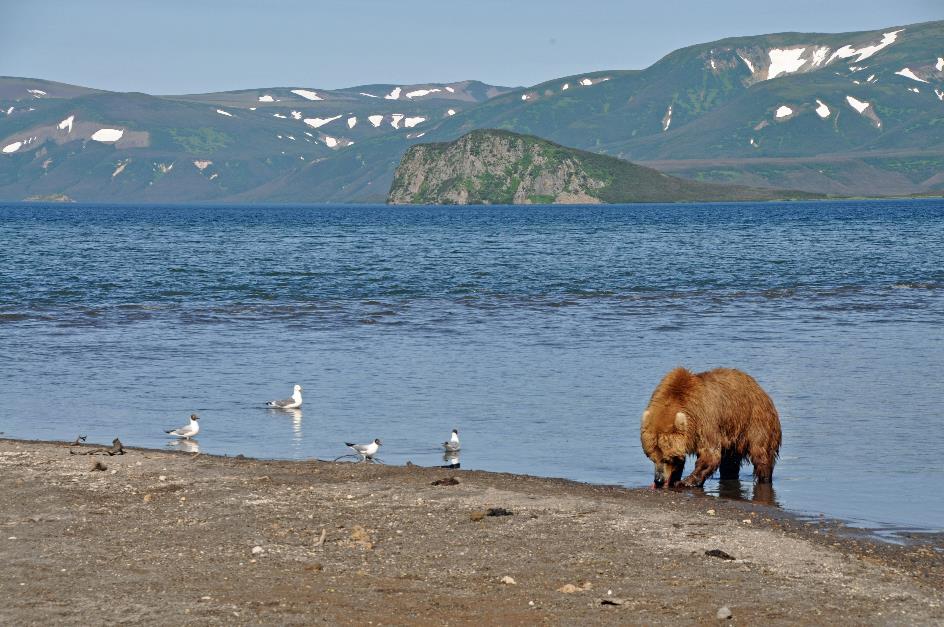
858, 113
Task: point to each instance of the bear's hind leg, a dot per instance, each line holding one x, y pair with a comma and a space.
730, 465
763, 467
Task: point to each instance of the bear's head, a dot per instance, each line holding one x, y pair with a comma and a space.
665, 441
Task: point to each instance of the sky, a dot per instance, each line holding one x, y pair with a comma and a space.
175, 46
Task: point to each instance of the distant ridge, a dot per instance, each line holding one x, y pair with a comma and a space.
500, 167
842, 114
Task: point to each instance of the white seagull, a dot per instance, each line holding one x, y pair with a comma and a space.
366, 451
452, 445
187, 431
289, 403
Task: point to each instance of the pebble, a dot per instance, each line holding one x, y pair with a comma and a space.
724, 613
162, 478
508, 580
711, 512
257, 550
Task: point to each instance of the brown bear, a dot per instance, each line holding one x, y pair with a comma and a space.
722, 416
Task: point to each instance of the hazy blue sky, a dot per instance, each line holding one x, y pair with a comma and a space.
177, 46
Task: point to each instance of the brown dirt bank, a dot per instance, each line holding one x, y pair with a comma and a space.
163, 537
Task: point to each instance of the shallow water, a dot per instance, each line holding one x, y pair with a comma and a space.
538, 332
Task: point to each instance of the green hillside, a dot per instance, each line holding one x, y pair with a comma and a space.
501, 167
851, 114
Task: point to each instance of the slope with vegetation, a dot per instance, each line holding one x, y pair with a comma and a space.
501, 167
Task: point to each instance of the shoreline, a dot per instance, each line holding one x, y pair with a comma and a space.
168, 536
888, 534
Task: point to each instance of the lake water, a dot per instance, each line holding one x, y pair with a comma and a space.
539, 332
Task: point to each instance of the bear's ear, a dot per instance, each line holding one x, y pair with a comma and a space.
681, 421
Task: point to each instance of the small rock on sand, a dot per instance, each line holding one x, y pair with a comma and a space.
569, 588
724, 613
719, 554
257, 550
509, 581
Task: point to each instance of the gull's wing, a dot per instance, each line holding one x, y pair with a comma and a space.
184, 431
285, 402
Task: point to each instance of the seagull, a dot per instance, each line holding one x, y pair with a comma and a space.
366, 451
453, 444
187, 431
289, 403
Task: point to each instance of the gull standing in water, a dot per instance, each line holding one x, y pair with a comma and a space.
366, 451
187, 431
289, 403
452, 445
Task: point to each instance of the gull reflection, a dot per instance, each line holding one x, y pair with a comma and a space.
187, 446
451, 459
296, 415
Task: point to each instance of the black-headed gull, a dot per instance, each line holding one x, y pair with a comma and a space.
289, 403
366, 451
187, 431
453, 444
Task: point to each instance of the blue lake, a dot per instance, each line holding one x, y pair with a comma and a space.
539, 332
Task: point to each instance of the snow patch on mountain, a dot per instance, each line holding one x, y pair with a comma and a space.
784, 61
667, 119
330, 142
524, 96
318, 122
376, 120
202, 164
821, 109
586, 82
747, 62
857, 104
565, 87
819, 55
939, 66
266, 98
11, 148
907, 73
363, 93
226, 113
393, 95
352, 121
395, 120
783, 111
848, 51
450, 90
280, 116
411, 122
307, 94
419, 93
107, 135
67, 124
121, 167
451, 112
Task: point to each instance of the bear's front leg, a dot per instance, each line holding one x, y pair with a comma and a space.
706, 464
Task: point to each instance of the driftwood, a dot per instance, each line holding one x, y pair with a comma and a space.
321, 540
115, 449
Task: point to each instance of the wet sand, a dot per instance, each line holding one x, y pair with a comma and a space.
170, 537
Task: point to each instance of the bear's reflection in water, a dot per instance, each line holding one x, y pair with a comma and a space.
737, 490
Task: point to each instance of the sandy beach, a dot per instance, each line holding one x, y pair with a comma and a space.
169, 537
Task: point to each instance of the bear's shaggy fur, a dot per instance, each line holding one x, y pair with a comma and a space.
722, 416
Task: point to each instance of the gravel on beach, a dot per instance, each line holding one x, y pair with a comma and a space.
170, 537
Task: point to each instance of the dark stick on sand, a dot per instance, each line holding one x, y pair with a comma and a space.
115, 449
